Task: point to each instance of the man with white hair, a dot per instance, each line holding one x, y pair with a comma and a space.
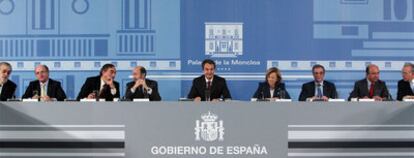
406, 85
7, 87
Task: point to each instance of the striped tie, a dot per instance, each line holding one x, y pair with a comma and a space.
43, 90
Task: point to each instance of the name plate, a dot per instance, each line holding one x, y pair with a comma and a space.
366, 100
336, 100
88, 100
141, 100
283, 100
30, 100
408, 100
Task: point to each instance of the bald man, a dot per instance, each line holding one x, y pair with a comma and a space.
7, 87
44, 88
142, 87
371, 87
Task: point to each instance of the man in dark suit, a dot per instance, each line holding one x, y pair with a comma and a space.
370, 87
44, 88
318, 89
102, 86
7, 87
406, 85
142, 87
209, 87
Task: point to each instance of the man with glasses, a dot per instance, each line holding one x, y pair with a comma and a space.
371, 87
319, 89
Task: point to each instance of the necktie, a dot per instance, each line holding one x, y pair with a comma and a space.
43, 90
208, 85
371, 90
319, 91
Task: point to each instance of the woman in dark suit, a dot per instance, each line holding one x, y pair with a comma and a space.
272, 87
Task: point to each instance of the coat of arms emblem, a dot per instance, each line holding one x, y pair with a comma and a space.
209, 129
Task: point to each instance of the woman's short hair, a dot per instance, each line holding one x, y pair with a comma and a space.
274, 70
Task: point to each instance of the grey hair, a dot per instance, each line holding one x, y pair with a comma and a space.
6, 64
410, 65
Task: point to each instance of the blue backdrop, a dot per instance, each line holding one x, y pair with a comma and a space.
171, 38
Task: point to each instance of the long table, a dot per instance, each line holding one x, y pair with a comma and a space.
206, 129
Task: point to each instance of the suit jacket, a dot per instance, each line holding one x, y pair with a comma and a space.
94, 84
54, 90
154, 96
8, 90
361, 89
218, 88
308, 90
404, 89
263, 91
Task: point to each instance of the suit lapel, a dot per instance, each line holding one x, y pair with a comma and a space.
325, 89
214, 84
266, 91
365, 88
98, 86
36, 87
313, 88
49, 88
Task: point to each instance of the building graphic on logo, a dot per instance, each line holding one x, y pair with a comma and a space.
136, 36
209, 129
376, 23
224, 39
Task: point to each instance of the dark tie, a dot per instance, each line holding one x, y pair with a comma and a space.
371, 90
208, 85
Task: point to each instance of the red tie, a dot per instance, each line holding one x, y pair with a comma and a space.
371, 90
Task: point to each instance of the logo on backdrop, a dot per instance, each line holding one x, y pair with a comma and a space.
209, 129
224, 39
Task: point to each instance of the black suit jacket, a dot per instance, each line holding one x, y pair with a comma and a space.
155, 96
218, 88
8, 90
54, 90
263, 91
94, 84
361, 89
308, 90
404, 89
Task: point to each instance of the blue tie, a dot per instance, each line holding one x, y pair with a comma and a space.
319, 92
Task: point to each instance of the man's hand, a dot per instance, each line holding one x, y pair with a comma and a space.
378, 98
92, 96
324, 98
408, 97
197, 99
35, 97
45, 98
139, 82
110, 83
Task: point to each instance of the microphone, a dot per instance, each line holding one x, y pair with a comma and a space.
207, 94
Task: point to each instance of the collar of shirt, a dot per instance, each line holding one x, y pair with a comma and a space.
44, 83
102, 85
211, 80
369, 84
321, 83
